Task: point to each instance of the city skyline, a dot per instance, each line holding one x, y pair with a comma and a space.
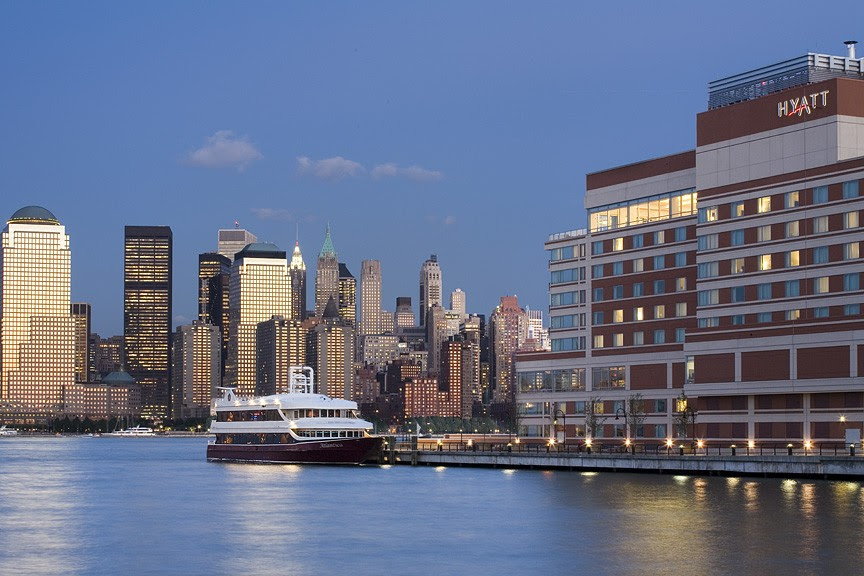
284, 116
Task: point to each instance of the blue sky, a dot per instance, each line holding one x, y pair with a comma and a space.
463, 129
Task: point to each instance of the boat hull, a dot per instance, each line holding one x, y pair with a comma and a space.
341, 451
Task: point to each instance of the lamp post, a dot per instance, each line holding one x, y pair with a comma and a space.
618, 413
564, 423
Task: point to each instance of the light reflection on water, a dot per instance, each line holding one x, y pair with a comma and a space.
155, 506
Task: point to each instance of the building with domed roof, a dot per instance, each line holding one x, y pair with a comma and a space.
36, 326
260, 288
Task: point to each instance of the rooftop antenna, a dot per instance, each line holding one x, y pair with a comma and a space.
850, 48
236, 224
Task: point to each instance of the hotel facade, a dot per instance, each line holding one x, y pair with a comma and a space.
717, 293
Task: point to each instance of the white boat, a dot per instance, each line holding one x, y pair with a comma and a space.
8, 431
299, 426
135, 431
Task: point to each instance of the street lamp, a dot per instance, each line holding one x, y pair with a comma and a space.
618, 413
555, 425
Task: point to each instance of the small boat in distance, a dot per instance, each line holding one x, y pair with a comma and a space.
296, 427
135, 431
8, 431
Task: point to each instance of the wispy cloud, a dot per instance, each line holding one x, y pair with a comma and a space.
224, 150
338, 168
413, 172
277, 214
335, 168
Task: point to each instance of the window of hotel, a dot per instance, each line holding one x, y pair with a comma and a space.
763, 317
793, 258
598, 341
659, 311
737, 319
850, 189
568, 275
850, 220
820, 255
567, 298
680, 234
618, 339
679, 335
638, 241
564, 344
763, 204
681, 309
852, 309
793, 288
566, 321
737, 294
763, 291
820, 195
597, 271
659, 237
737, 266
707, 270
851, 281
639, 265
597, 247
820, 285
707, 214
597, 318
653, 209
638, 314
611, 377
820, 224
792, 229
792, 199
793, 314
617, 244
680, 259
763, 233
564, 253
820, 312
618, 268
711, 322
638, 338
708, 297
638, 289
618, 291
598, 295
707, 242
737, 209
850, 251
618, 315
659, 286
659, 336
680, 284
736, 238
765, 262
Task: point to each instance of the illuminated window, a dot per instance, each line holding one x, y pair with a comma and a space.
820, 224
617, 244
638, 265
793, 258
638, 314
792, 199
850, 219
763, 233
850, 250
737, 209
737, 266
793, 314
680, 284
598, 341
617, 316
792, 229
820, 285
765, 262
618, 339
763, 204
659, 237
660, 311
707, 214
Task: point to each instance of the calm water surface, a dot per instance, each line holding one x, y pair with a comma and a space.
155, 506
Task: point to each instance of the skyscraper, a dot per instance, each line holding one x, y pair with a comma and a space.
260, 289
37, 330
457, 302
81, 316
147, 314
370, 298
509, 325
233, 240
214, 277
297, 270
281, 344
334, 343
430, 287
197, 369
404, 315
326, 275
347, 295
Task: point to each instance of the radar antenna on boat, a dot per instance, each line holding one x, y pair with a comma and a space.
301, 380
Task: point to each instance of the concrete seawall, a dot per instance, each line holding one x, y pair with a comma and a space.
783, 466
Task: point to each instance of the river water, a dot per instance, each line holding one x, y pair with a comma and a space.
156, 506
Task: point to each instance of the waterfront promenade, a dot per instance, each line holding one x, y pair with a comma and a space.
776, 461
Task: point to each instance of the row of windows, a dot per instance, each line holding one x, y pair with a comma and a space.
659, 262
643, 210
567, 344
638, 289
737, 209
567, 321
785, 315
568, 275
638, 314
638, 338
789, 289
791, 259
567, 252
819, 225
638, 240
552, 380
